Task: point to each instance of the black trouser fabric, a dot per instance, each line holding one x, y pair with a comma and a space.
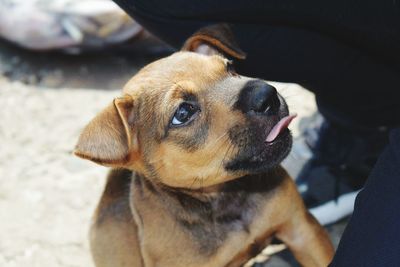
372, 237
346, 52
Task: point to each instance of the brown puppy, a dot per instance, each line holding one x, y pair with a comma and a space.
196, 182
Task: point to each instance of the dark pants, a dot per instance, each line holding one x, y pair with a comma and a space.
372, 237
347, 53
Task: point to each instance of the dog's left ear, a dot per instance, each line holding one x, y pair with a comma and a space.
214, 39
109, 139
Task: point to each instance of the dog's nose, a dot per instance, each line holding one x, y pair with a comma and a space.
258, 97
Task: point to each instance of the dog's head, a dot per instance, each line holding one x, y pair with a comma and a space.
189, 121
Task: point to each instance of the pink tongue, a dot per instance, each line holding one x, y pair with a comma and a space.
279, 127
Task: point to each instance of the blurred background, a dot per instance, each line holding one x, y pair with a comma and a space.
61, 62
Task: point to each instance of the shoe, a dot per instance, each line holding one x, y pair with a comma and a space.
342, 160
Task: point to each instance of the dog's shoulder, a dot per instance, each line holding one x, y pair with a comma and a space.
114, 203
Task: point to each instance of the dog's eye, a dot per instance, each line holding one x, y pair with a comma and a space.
184, 114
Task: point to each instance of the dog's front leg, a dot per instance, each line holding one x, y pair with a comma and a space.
307, 240
114, 239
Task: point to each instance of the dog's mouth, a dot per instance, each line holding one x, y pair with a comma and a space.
264, 146
282, 125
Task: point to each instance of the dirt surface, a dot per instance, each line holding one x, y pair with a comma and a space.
47, 195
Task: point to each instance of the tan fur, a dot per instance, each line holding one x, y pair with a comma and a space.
134, 224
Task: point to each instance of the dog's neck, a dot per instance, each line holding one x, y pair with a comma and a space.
210, 214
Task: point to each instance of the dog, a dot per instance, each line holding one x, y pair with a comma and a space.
195, 151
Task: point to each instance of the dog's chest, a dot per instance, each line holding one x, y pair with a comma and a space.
211, 223
199, 225
202, 227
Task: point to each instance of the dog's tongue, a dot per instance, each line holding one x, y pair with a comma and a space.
279, 127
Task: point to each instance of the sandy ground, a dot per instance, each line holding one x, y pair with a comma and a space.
47, 195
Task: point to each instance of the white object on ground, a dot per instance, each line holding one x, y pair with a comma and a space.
45, 24
333, 211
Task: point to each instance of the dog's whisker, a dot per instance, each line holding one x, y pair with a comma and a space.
215, 151
223, 159
193, 183
217, 139
201, 184
289, 95
216, 148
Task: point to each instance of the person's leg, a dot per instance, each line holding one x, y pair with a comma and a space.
372, 237
350, 86
371, 26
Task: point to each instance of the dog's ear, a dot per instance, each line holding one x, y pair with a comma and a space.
214, 39
109, 138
